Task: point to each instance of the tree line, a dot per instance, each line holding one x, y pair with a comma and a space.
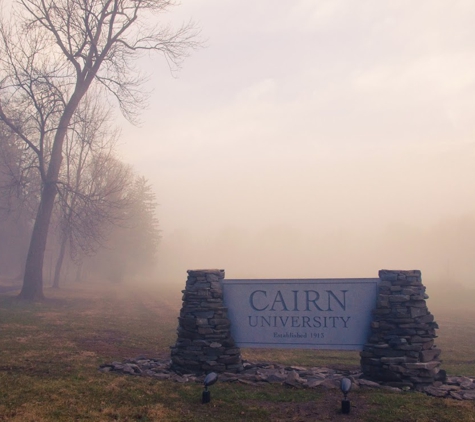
104, 216
63, 65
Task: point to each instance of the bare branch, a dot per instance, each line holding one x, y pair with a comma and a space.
51, 54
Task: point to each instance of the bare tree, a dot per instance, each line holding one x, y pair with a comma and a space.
50, 56
93, 184
18, 188
131, 247
15, 208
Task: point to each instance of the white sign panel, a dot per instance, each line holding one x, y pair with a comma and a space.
316, 314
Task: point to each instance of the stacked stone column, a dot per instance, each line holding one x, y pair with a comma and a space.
204, 342
401, 351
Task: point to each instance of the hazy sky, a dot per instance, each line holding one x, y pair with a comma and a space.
306, 131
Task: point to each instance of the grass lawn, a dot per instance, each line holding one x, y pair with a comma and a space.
50, 353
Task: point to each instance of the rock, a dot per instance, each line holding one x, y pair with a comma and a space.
331, 384
314, 382
389, 388
435, 391
456, 395
401, 345
293, 379
468, 395
243, 381
368, 383
457, 388
204, 340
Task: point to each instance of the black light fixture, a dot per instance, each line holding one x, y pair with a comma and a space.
210, 379
345, 387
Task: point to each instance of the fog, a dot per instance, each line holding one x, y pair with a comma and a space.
316, 139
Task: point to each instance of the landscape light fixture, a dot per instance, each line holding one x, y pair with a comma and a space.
210, 379
345, 387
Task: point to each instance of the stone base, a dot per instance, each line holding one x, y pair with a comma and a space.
204, 341
401, 350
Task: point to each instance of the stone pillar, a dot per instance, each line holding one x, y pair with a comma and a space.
400, 351
204, 342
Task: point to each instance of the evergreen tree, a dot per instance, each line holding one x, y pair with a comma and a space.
130, 252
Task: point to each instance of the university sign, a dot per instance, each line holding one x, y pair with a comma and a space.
301, 313
386, 318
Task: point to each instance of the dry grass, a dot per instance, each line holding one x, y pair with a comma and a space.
50, 352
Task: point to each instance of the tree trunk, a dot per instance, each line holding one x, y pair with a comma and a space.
79, 273
32, 288
59, 262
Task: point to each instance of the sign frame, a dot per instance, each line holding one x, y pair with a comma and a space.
332, 314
